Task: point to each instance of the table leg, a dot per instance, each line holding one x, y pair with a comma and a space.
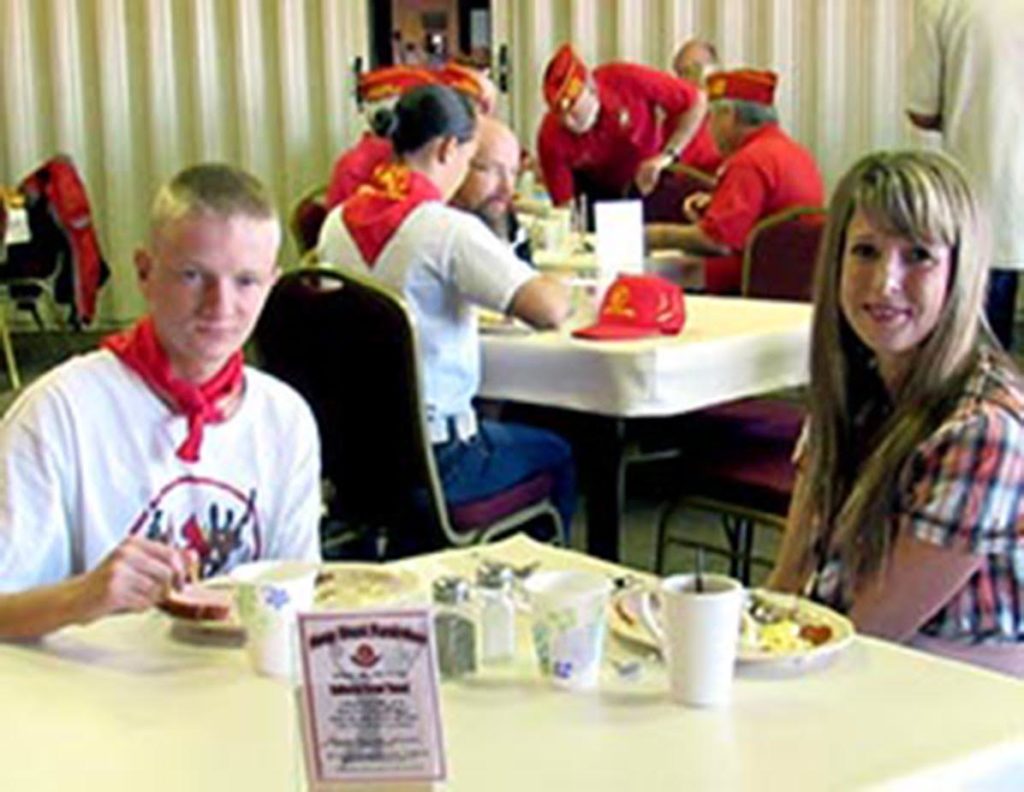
605, 486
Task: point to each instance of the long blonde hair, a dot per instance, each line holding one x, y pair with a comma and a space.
851, 483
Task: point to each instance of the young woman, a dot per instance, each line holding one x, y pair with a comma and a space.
398, 229
907, 511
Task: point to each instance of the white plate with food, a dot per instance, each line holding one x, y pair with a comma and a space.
777, 629
343, 586
207, 608
494, 323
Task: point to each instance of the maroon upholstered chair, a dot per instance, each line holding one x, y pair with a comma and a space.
306, 217
780, 255
350, 347
744, 470
677, 182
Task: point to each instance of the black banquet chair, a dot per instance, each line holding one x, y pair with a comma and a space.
349, 346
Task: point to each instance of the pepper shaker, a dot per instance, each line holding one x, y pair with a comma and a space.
455, 627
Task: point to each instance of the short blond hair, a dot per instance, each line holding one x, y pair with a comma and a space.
214, 188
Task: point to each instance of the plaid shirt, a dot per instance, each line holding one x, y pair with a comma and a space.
966, 482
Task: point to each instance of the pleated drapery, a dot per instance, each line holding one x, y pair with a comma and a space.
136, 89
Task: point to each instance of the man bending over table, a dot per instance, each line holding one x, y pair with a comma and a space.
125, 470
606, 129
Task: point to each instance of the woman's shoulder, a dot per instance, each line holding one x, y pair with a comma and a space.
440, 216
989, 410
437, 224
995, 387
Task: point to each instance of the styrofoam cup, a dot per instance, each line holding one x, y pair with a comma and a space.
569, 625
269, 595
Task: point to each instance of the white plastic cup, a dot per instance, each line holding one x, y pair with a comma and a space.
699, 632
569, 625
561, 222
269, 595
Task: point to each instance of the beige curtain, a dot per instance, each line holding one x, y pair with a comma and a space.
841, 61
135, 89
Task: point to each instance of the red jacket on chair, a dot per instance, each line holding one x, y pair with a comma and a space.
57, 181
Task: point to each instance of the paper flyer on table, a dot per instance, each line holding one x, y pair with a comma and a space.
620, 238
371, 707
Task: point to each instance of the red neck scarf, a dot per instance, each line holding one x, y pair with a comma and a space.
380, 206
140, 350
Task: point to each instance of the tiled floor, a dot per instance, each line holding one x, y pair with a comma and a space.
36, 352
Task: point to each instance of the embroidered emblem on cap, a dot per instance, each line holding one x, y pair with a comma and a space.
637, 306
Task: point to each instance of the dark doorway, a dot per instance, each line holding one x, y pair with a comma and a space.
430, 32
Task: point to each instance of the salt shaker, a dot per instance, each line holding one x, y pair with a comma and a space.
455, 627
497, 613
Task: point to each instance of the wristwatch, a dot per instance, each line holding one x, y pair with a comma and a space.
672, 152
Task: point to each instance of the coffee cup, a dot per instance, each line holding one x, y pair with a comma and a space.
698, 627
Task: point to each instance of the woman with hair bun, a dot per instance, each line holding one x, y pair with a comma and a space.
907, 513
398, 230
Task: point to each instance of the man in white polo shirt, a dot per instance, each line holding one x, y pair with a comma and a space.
966, 75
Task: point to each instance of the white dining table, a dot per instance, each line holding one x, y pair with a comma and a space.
122, 705
730, 348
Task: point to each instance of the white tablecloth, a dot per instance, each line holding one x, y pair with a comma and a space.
729, 348
120, 706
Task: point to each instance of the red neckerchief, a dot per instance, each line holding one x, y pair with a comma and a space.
380, 206
140, 350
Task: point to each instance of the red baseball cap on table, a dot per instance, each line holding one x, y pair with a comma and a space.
638, 306
749, 85
564, 79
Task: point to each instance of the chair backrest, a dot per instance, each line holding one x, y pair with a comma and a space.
665, 203
306, 217
781, 252
350, 348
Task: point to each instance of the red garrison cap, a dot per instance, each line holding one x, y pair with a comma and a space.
749, 85
564, 79
636, 306
392, 81
462, 79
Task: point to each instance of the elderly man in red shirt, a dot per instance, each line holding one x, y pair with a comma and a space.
608, 128
383, 87
765, 171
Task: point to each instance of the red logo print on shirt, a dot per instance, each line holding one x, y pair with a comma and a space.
213, 519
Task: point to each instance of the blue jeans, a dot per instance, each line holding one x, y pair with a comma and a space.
502, 455
1001, 304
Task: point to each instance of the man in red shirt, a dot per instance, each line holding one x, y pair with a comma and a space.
383, 87
606, 129
765, 171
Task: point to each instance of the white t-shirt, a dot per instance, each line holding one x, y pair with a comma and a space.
443, 261
967, 66
87, 456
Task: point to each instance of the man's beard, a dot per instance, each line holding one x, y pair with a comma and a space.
495, 219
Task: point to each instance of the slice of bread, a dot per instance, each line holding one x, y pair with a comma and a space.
199, 603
